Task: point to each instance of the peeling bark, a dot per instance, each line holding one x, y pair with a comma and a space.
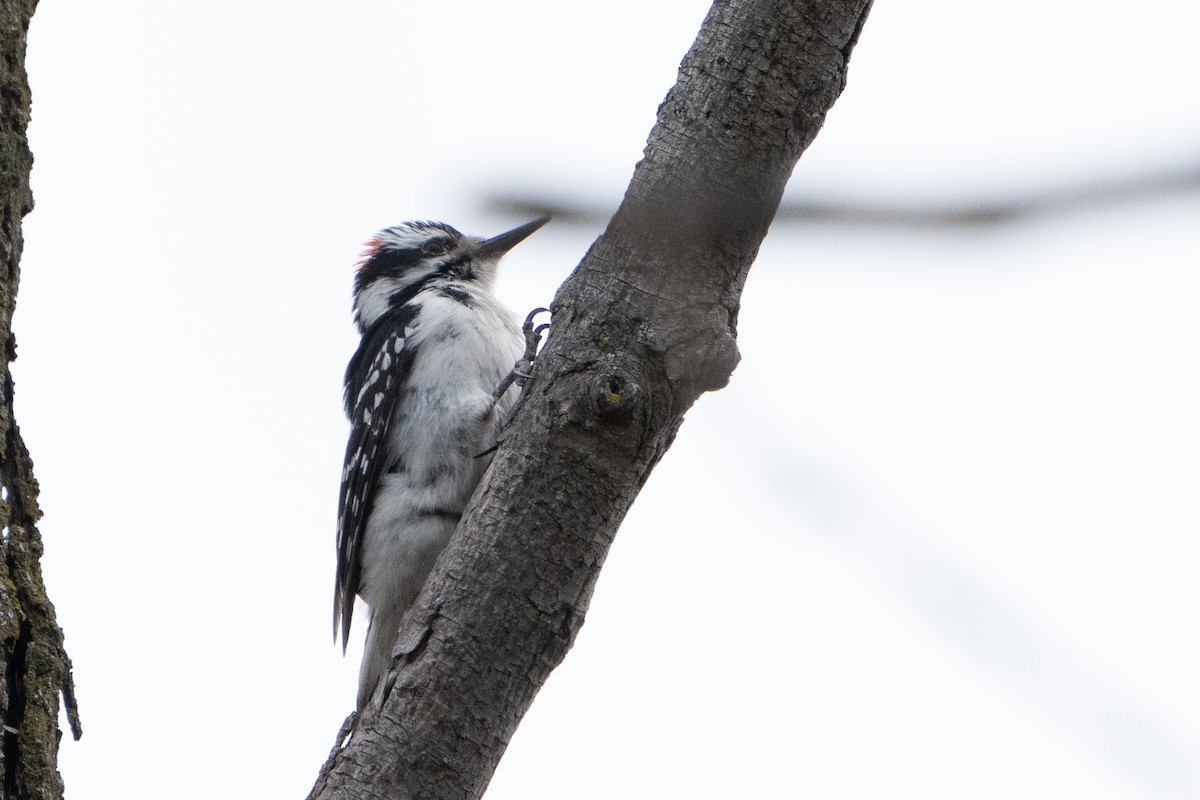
34, 668
646, 324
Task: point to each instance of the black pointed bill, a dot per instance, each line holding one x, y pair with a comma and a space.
499, 245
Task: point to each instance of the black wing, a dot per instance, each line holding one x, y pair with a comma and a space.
375, 380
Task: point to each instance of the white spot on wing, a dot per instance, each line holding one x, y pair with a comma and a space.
372, 379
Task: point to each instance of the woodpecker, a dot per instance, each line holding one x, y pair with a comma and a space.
426, 392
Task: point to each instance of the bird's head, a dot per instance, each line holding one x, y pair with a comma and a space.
400, 261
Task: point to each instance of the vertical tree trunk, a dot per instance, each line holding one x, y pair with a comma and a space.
645, 325
34, 668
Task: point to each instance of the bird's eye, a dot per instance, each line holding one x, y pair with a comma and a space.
435, 247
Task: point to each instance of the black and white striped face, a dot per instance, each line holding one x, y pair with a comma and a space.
400, 261
404, 257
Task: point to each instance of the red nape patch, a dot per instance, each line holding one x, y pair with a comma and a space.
369, 249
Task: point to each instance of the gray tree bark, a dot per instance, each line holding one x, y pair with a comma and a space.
645, 324
34, 668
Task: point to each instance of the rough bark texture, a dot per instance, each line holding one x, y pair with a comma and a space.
34, 668
645, 325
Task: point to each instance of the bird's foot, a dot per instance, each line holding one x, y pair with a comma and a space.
523, 369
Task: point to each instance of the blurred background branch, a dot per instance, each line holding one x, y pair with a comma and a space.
971, 214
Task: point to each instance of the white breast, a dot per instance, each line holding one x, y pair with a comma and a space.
445, 417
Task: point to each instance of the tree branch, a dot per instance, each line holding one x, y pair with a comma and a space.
646, 323
981, 214
34, 668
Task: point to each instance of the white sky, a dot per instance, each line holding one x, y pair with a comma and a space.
937, 539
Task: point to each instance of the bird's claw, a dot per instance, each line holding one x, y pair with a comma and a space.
533, 335
523, 369
528, 325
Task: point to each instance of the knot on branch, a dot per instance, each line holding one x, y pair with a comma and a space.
700, 351
616, 393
